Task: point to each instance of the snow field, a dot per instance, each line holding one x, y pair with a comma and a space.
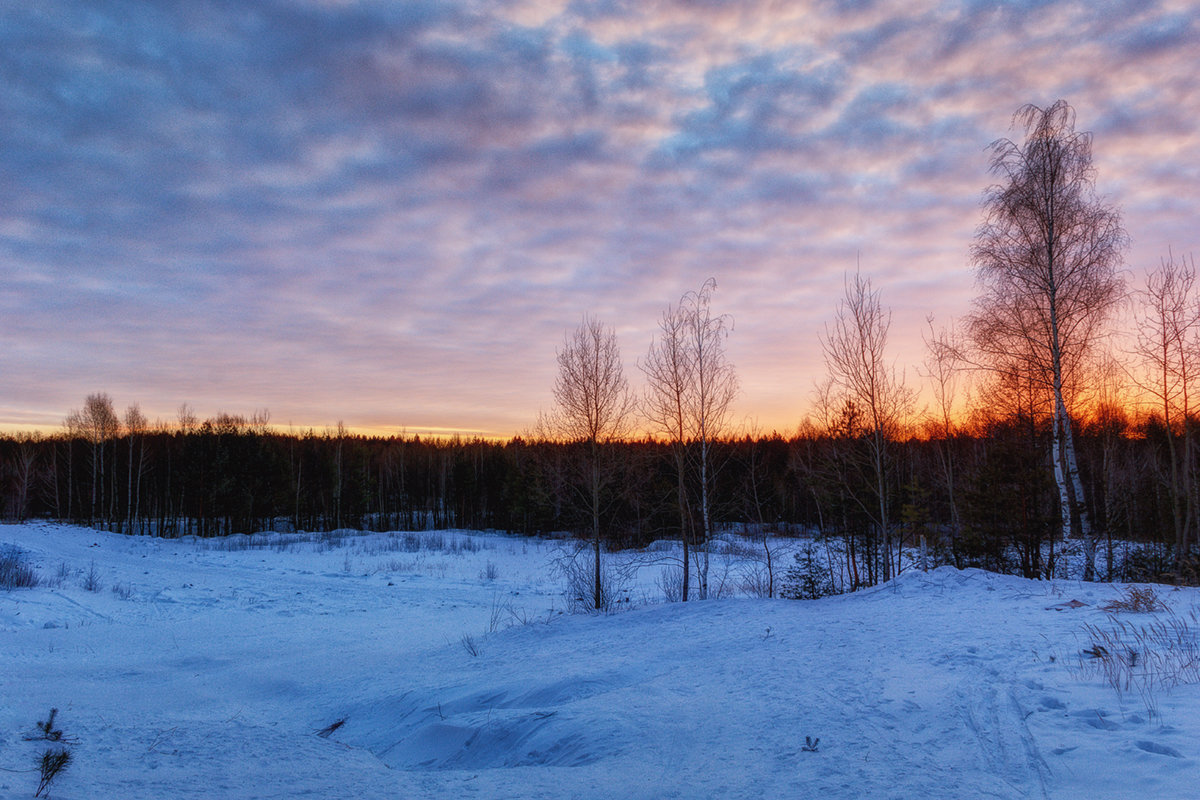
212, 669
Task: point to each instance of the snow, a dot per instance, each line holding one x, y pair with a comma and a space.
215, 666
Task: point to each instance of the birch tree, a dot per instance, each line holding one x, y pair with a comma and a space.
1168, 323
668, 371
24, 473
1046, 258
859, 374
690, 387
97, 422
944, 370
135, 428
594, 409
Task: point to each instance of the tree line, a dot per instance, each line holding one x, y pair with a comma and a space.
983, 496
1042, 436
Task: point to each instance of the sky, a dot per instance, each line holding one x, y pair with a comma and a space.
391, 213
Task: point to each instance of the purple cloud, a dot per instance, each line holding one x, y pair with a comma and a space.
389, 212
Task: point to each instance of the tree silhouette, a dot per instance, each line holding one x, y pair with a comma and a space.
690, 386
1046, 257
860, 378
594, 408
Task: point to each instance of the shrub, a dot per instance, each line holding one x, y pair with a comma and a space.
49, 732
60, 575
807, 579
1151, 564
499, 610
1145, 565
578, 571
91, 581
15, 571
670, 580
756, 581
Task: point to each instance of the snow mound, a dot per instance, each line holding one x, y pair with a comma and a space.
519, 725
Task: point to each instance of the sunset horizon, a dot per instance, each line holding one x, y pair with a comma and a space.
390, 214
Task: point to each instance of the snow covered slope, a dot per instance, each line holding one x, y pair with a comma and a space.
213, 667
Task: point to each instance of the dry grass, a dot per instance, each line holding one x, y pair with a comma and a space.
1144, 658
1137, 599
15, 571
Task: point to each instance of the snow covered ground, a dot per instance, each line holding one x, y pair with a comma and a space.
209, 669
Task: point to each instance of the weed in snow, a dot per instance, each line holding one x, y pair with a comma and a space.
91, 581
470, 645
15, 571
1146, 658
1137, 599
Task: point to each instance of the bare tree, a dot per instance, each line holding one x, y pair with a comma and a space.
25, 472
714, 385
135, 428
855, 356
1111, 425
1168, 324
594, 409
669, 373
187, 419
757, 475
1046, 257
690, 386
97, 422
944, 368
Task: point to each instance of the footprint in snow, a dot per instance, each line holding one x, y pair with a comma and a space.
1159, 749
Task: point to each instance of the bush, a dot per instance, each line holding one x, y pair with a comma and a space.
807, 579
60, 575
1145, 565
91, 581
1156, 564
670, 580
578, 571
756, 581
15, 571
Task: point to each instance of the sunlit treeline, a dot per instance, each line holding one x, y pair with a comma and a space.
1063, 443
983, 496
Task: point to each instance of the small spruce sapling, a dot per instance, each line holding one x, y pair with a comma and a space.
53, 760
807, 579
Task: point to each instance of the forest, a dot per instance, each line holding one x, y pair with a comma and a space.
983, 496
1043, 429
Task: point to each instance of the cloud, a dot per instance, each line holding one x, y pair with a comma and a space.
393, 210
